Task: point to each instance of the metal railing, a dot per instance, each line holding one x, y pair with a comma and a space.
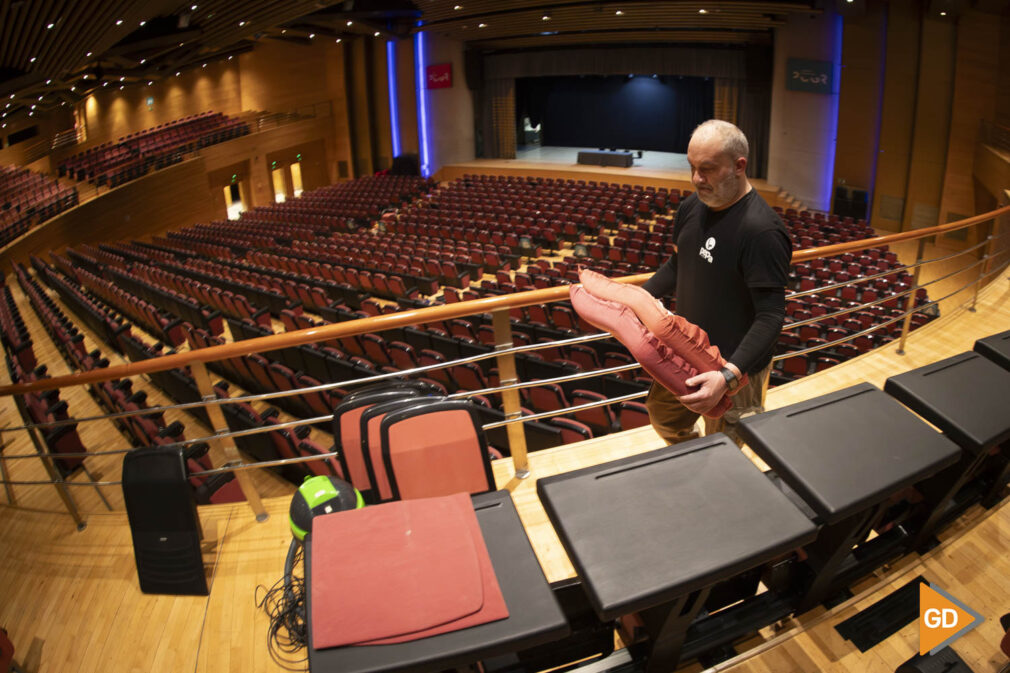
986, 259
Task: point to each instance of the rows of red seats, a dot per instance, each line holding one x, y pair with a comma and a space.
28, 199
132, 156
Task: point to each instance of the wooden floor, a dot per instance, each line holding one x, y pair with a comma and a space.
71, 602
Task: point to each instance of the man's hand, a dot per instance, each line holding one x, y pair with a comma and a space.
712, 386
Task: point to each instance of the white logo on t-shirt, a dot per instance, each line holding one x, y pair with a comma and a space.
704, 251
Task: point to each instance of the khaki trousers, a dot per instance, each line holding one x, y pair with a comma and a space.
676, 423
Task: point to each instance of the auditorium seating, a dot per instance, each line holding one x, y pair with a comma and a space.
133, 156
28, 199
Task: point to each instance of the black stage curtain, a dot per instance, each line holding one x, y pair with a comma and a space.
639, 113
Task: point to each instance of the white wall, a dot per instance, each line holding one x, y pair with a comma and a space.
801, 144
450, 110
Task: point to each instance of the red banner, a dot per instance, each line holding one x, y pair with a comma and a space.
439, 76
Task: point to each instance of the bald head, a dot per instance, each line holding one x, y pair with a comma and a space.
728, 137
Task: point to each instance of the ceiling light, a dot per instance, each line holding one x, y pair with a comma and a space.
284, 31
31, 114
142, 23
338, 40
88, 55
31, 60
5, 125
482, 25
105, 84
230, 57
181, 43
120, 87
33, 107
48, 82
50, 26
545, 17
458, 7
943, 13
150, 83
312, 36
177, 74
350, 23
143, 61
705, 11
193, 8
12, 96
40, 97
241, 23
123, 78
376, 33
119, 22
73, 88
619, 12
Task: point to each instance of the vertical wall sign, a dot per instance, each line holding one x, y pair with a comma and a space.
439, 76
810, 76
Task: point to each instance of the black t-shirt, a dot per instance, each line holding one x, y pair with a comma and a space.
721, 257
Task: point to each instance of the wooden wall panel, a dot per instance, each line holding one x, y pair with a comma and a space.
406, 79
898, 114
931, 126
359, 104
283, 76
338, 144
382, 132
860, 98
1003, 78
311, 133
111, 113
974, 99
171, 198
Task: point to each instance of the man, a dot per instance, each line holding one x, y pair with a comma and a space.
728, 273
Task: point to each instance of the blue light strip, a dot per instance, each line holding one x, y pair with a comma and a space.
394, 106
828, 169
422, 104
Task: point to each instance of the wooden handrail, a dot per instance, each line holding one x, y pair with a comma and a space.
427, 314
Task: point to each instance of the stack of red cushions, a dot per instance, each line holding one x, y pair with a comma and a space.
401, 571
670, 348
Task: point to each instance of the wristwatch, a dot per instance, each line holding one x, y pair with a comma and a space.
732, 382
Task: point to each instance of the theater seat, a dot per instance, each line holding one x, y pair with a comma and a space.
446, 436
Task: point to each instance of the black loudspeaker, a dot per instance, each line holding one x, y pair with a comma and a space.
163, 521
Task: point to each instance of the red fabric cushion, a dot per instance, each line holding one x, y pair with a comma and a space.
400, 571
656, 357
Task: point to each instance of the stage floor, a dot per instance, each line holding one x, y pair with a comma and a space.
664, 161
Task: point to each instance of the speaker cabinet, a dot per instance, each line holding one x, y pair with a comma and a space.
163, 521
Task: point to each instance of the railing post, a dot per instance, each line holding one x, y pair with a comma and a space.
986, 253
910, 297
220, 427
4, 474
50, 467
510, 398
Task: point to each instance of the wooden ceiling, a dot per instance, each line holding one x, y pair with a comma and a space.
54, 52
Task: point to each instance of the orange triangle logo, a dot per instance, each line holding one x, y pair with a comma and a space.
942, 619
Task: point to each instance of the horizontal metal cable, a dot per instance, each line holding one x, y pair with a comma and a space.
882, 300
567, 410
236, 467
874, 328
540, 382
212, 401
889, 272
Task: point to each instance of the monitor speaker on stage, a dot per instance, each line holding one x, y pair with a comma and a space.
163, 520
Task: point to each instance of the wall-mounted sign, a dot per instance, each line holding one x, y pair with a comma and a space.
439, 76
811, 76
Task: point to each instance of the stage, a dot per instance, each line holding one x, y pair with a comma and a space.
659, 169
